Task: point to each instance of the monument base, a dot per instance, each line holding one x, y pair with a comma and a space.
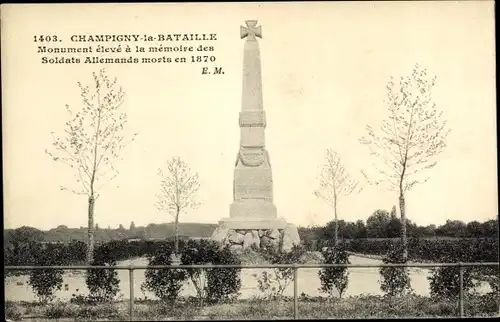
249, 208
243, 233
238, 223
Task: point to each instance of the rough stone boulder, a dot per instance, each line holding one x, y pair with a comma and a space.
290, 237
250, 240
256, 236
266, 242
220, 233
236, 247
235, 238
274, 234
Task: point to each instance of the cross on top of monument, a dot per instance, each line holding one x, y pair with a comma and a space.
251, 30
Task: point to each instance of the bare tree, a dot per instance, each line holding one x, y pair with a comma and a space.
178, 187
92, 141
335, 182
408, 142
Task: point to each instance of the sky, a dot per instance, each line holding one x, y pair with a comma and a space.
324, 71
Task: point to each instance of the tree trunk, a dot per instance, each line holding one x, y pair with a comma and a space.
90, 246
336, 231
177, 232
404, 239
198, 286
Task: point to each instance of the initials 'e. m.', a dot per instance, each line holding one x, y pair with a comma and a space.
216, 71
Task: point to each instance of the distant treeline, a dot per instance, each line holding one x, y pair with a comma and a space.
382, 224
150, 232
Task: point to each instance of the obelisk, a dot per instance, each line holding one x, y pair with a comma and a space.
252, 213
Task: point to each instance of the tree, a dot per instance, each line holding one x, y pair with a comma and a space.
335, 182
92, 141
393, 228
143, 234
178, 187
350, 230
490, 228
360, 229
474, 229
453, 228
409, 141
377, 224
132, 225
24, 235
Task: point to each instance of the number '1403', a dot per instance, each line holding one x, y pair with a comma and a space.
45, 38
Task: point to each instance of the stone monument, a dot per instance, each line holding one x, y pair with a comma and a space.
253, 219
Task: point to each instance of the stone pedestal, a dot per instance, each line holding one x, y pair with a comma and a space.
258, 234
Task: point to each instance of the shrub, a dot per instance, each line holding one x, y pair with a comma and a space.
395, 280
60, 310
482, 305
12, 311
223, 283
20, 253
494, 283
214, 284
166, 284
76, 252
45, 282
98, 312
334, 278
198, 253
275, 283
445, 281
103, 284
79, 299
269, 284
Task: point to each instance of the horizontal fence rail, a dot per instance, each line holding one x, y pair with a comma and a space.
125, 267
295, 268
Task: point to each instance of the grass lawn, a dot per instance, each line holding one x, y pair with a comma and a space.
309, 308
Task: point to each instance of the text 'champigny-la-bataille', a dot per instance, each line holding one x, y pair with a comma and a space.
54, 52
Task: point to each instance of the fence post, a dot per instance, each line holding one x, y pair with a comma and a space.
461, 294
131, 286
295, 296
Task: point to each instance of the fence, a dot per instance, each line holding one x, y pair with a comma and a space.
295, 268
